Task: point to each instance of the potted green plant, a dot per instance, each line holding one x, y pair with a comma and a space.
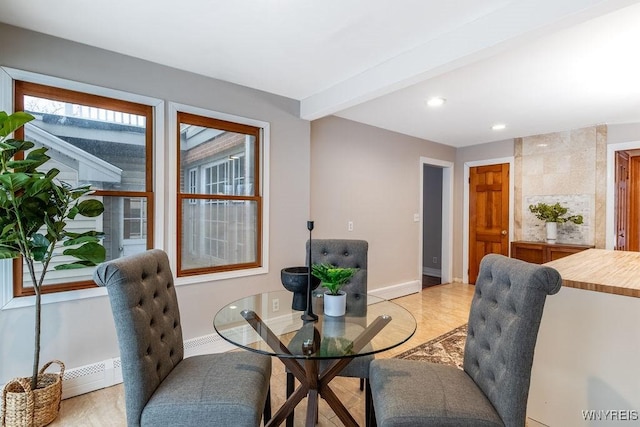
333, 278
552, 215
34, 210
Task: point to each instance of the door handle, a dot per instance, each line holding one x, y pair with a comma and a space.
503, 232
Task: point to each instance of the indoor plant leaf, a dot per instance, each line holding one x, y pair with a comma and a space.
10, 123
13, 182
81, 239
89, 208
74, 265
90, 251
332, 278
553, 213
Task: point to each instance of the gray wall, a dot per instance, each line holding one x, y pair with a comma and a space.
81, 332
372, 177
620, 133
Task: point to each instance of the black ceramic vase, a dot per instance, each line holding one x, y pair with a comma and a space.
295, 279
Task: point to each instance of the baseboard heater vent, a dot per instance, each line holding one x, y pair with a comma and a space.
87, 378
107, 373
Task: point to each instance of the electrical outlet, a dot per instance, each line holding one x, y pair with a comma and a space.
349, 225
435, 259
276, 304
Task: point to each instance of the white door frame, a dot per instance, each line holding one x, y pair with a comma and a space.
610, 226
465, 209
447, 217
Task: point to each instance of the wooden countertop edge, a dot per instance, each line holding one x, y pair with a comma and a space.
597, 287
616, 267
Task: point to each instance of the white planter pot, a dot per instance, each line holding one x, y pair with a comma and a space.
552, 232
335, 305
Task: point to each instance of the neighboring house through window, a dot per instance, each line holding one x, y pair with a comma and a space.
219, 202
99, 141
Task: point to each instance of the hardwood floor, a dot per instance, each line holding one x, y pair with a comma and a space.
437, 309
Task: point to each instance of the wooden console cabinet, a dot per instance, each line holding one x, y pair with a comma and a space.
540, 252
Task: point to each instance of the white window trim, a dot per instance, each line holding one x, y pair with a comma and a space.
7, 76
171, 224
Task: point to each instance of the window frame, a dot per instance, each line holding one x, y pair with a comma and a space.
257, 197
7, 77
23, 88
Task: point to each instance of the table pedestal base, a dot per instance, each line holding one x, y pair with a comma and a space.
313, 384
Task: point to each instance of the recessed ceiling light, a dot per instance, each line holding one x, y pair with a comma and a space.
498, 126
436, 101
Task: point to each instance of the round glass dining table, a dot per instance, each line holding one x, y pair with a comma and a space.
266, 323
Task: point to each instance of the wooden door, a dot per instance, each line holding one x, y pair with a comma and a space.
633, 210
621, 200
488, 214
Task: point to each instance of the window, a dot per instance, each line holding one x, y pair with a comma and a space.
100, 141
219, 201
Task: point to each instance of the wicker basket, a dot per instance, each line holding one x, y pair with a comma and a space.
23, 407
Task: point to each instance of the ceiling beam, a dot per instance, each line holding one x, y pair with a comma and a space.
516, 23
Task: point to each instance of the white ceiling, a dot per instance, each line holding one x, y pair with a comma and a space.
537, 66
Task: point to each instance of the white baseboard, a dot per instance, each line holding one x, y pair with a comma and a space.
399, 290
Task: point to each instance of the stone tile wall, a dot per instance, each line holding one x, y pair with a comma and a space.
564, 167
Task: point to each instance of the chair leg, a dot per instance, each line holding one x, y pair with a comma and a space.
267, 406
290, 386
369, 412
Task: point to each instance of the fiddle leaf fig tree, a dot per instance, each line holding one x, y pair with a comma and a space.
34, 212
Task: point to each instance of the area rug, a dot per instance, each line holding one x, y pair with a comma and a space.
447, 349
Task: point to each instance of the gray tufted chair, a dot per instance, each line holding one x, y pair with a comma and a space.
345, 253
161, 388
492, 389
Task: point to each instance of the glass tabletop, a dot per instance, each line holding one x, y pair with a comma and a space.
267, 324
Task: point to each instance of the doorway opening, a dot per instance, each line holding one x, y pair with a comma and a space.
431, 226
436, 216
623, 182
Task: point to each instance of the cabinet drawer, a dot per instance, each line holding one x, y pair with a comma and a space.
540, 252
